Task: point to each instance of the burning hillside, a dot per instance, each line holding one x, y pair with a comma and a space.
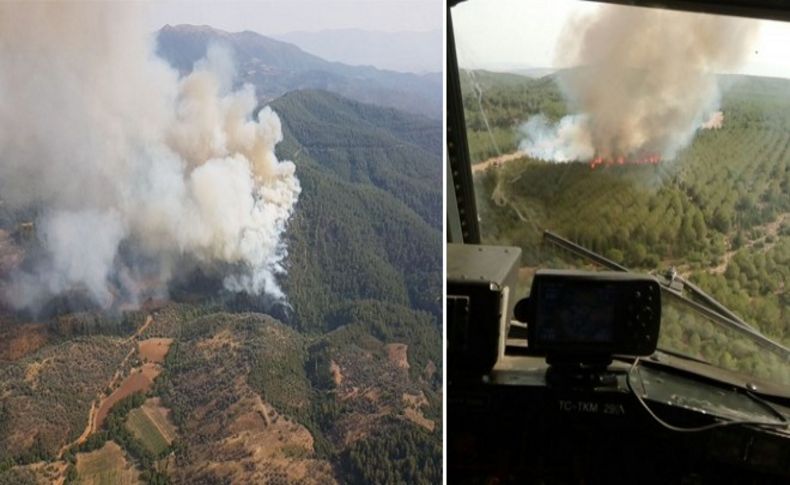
134, 174
644, 160
645, 82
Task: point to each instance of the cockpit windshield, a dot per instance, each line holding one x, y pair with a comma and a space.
657, 139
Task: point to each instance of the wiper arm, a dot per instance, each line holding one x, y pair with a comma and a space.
681, 355
706, 300
580, 250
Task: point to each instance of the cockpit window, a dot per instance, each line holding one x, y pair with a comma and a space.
657, 139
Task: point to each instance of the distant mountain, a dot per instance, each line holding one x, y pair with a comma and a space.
534, 71
275, 67
398, 51
371, 206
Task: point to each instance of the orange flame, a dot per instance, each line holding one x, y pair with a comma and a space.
621, 160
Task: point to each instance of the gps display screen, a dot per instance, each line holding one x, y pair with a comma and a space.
576, 313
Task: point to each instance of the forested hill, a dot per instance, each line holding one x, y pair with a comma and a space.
362, 143
368, 222
276, 67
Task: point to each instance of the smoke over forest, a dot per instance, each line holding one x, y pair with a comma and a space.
132, 174
641, 82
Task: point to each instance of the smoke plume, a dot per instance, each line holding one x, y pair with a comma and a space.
644, 80
566, 141
134, 172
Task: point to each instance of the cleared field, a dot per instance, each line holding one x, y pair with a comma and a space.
149, 424
137, 381
154, 349
144, 430
106, 466
160, 416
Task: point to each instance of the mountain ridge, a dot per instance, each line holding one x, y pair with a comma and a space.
402, 51
275, 67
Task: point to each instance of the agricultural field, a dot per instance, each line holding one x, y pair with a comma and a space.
719, 212
106, 466
142, 428
149, 425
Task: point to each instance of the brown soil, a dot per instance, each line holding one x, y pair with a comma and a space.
397, 354
416, 417
415, 400
337, 376
497, 161
137, 381
412, 411
154, 349
256, 444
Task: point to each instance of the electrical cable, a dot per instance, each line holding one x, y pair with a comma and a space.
707, 427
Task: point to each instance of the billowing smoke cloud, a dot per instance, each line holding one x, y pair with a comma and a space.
566, 141
133, 171
644, 80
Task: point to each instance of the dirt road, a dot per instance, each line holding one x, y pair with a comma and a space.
96, 404
497, 161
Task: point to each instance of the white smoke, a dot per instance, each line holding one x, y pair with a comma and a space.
644, 80
714, 122
568, 140
114, 150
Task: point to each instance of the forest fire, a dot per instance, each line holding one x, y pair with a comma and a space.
621, 160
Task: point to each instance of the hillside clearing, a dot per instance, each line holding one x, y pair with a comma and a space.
106, 466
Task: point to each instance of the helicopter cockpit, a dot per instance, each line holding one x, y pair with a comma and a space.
618, 242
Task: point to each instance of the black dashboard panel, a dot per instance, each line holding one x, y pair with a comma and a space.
517, 429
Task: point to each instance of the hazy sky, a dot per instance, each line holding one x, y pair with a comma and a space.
278, 17
520, 33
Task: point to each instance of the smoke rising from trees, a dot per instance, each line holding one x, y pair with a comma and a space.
642, 80
135, 173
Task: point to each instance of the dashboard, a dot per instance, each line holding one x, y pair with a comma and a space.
515, 428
